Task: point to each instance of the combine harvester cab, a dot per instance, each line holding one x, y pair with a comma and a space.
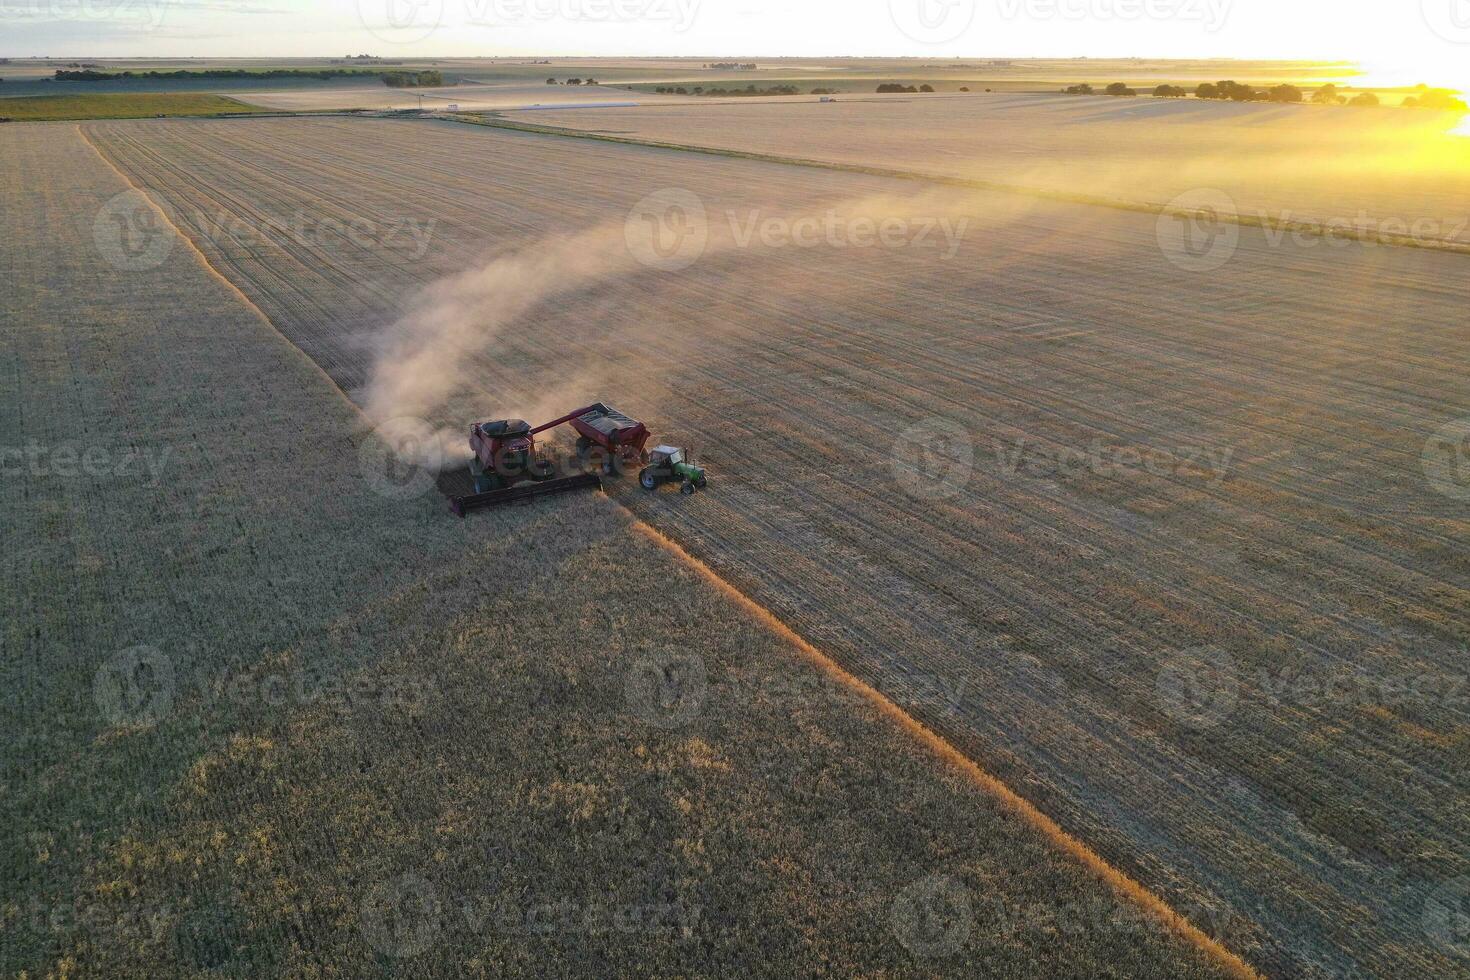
505, 456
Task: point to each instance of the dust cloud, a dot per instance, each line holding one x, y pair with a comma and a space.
427, 361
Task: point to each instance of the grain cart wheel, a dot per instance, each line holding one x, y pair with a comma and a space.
688, 488
648, 478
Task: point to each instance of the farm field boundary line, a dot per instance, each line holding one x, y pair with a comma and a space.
1264, 221
1122, 884
203, 260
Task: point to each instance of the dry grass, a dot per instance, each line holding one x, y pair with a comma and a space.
395, 742
1055, 606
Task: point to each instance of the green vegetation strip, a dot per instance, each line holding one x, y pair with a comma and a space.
140, 105
1316, 228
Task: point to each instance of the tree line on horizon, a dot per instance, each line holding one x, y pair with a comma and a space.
1328, 94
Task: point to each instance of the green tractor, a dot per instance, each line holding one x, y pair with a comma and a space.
666, 464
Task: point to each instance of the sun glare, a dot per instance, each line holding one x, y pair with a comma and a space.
1399, 74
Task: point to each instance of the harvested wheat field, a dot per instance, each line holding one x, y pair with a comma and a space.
1160, 536
270, 714
1386, 171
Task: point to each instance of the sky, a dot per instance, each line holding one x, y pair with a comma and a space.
1417, 37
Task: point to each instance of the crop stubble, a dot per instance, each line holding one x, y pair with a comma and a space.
1316, 163
254, 828
1051, 605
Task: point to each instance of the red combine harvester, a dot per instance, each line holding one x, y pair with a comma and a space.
505, 456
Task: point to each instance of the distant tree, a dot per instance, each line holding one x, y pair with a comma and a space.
1435, 98
551, 81
1118, 88
590, 81
1170, 92
681, 91
926, 88
1228, 89
1285, 93
964, 88
1364, 99
892, 88
1326, 95
1083, 89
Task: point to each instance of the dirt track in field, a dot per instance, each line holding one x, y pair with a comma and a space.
1041, 618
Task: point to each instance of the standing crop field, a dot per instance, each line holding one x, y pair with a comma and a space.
1170, 550
266, 714
1387, 170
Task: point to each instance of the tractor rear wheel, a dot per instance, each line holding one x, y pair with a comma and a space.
688, 488
648, 478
